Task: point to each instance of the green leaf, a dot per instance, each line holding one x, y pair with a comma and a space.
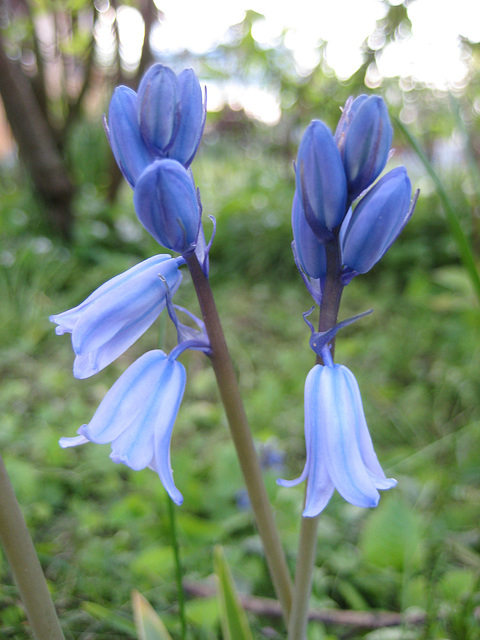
147, 622
114, 620
232, 616
392, 536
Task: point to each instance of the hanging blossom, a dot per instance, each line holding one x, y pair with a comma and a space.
340, 452
154, 135
340, 211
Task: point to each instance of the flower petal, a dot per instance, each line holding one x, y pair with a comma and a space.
337, 419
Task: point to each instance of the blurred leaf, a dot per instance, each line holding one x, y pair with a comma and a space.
392, 535
232, 616
147, 622
115, 620
203, 612
463, 242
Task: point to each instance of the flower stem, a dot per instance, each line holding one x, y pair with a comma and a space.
307, 544
25, 565
178, 566
242, 438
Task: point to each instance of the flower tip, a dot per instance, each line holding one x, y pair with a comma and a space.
72, 442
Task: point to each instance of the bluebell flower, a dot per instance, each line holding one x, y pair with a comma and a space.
114, 316
364, 136
376, 222
340, 453
137, 416
320, 181
166, 204
164, 120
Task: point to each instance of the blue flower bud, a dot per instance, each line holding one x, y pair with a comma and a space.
320, 180
166, 204
310, 252
128, 146
157, 108
191, 113
340, 452
137, 417
364, 135
377, 221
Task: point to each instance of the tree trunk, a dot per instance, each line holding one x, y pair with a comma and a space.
36, 145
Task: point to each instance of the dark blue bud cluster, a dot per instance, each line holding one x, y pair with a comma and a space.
154, 135
335, 201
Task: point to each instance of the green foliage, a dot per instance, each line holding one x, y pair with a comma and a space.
233, 618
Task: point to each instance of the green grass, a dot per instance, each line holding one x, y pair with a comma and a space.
102, 530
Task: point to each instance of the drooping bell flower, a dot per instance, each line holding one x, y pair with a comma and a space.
166, 204
376, 222
340, 452
363, 136
164, 120
114, 316
320, 181
137, 416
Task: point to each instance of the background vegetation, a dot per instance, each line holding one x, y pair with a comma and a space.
102, 530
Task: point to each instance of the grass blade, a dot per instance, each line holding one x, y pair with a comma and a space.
232, 616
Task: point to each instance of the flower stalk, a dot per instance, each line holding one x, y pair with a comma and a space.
25, 565
307, 543
242, 438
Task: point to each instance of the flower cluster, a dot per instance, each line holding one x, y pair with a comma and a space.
343, 224
154, 135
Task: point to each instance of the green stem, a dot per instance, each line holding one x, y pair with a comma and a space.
178, 566
307, 544
25, 565
242, 438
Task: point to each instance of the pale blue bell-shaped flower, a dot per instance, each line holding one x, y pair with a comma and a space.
340, 452
376, 223
320, 180
114, 316
363, 136
137, 416
123, 131
166, 204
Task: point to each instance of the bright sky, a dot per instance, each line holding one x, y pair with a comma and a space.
431, 54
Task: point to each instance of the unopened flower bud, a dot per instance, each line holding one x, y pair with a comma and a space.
157, 108
321, 180
363, 136
377, 221
123, 131
191, 118
166, 204
310, 252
